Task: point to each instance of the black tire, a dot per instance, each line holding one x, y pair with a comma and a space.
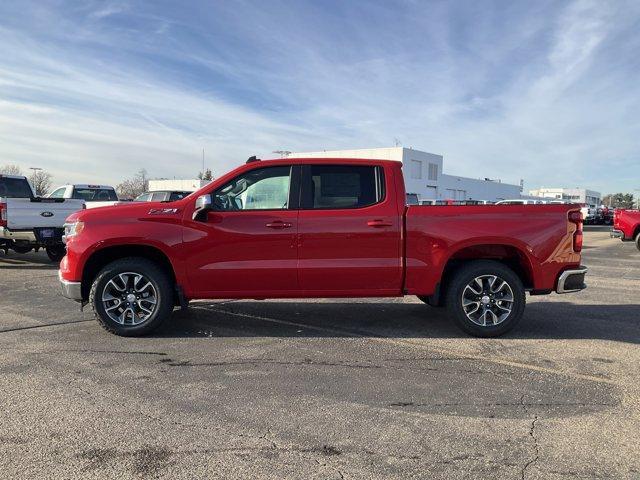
638, 241
56, 253
464, 278
22, 249
160, 282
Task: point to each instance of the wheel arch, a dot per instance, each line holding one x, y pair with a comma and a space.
510, 255
106, 255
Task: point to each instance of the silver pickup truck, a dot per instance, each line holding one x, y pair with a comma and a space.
28, 222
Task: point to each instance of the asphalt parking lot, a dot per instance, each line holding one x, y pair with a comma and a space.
330, 389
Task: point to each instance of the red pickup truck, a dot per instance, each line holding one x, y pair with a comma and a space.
301, 228
626, 225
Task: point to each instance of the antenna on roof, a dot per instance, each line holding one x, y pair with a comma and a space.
252, 159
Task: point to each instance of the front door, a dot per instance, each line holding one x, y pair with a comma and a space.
349, 231
246, 246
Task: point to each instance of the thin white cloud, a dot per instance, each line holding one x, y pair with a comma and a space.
546, 95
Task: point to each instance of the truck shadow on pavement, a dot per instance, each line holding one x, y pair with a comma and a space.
388, 319
27, 261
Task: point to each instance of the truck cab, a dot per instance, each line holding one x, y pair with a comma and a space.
93, 195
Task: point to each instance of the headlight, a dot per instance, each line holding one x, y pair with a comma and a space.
72, 229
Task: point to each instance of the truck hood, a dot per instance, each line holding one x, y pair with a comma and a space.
122, 211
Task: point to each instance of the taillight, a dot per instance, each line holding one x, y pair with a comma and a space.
577, 241
575, 216
3, 214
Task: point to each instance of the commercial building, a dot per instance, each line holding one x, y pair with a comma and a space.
575, 195
424, 177
177, 185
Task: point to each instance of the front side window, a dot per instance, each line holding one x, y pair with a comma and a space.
343, 186
260, 189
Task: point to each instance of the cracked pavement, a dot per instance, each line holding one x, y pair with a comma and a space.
323, 389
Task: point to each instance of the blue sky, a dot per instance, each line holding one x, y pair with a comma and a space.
545, 91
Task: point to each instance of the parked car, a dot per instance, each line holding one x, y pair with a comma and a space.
626, 225
28, 222
93, 195
604, 215
299, 228
162, 196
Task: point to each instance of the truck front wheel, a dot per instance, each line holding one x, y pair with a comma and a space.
486, 298
131, 297
638, 241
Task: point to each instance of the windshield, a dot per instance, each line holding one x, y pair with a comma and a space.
15, 188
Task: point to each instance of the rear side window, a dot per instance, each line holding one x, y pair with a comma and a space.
158, 196
95, 194
14, 188
342, 186
59, 193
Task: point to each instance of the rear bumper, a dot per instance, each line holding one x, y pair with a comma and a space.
72, 290
572, 280
18, 235
614, 233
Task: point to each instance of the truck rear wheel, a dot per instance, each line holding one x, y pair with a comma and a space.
21, 248
486, 298
638, 241
131, 297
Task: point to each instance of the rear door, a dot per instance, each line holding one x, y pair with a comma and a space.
349, 231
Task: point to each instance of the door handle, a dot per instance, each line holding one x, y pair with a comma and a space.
278, 225
379, 223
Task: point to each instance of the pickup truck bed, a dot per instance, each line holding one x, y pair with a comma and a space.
27, 221
296, 228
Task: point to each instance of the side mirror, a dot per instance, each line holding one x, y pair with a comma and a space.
203, 205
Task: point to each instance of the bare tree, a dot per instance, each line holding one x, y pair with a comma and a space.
132, 187
41, 181
206, 175
11, 170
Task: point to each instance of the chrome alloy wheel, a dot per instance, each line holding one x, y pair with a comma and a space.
129, 298
487, 300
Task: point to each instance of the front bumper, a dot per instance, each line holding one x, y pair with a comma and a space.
572, 280
72, 290
18, 235
613, 233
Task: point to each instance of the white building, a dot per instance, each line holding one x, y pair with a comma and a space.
177, 185
423, 175
575, 195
